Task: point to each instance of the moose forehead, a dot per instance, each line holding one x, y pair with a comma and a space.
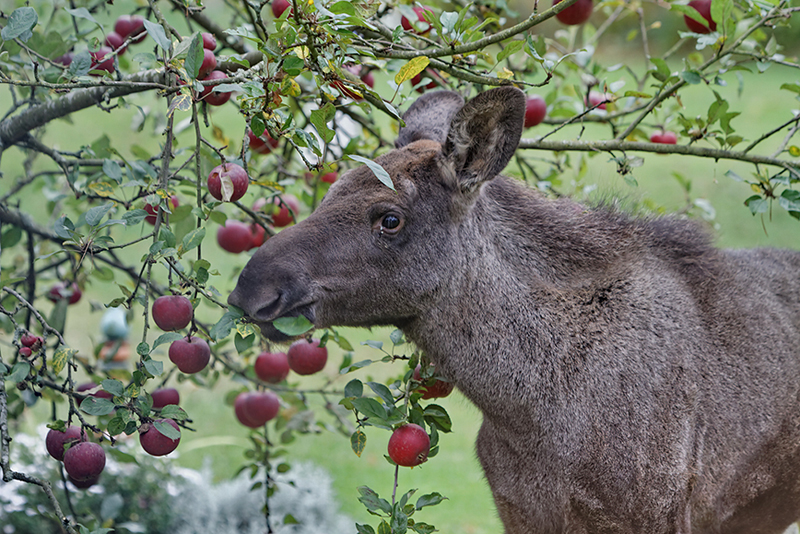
410, 168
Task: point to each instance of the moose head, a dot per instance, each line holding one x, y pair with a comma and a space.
370, 255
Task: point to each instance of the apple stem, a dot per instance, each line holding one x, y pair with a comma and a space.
394, 489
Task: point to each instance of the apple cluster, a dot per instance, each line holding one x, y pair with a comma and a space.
304, 357
83, 460
174, 312
30, 344
209, 72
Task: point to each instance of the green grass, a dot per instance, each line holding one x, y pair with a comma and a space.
455, 472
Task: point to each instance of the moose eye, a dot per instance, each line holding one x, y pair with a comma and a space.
390, 224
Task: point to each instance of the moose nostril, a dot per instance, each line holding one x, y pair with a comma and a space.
270, 310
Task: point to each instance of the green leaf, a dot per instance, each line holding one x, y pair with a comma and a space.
512, 48
399, 521
156, 31
374, 344
95, 215
423, 528
757, 204
172, 411
293, 326
384, 528
116, 426
167, 430
226, 323
358, 441
364, 529
82, 13
661, 72
289, 519
115, 387
112, 169
431, 499
437, 416
134, 217
408, 71
396, 337
690, 76
354, 388
192, 240
20, 24
61, 357
320, 119
353, 367
167, 337
97, 406
790, 200
10, 237
370, 408
382, 391
194, 56
373, 502
19, 372
154, 367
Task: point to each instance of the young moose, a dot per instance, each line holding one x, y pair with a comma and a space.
632, 378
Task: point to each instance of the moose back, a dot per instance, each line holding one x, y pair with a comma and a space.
632, 378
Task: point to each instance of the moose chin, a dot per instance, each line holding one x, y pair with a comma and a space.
632, 377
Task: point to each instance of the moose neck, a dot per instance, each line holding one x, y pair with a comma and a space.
493, 331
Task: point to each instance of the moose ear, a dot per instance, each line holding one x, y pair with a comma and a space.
483, 136
429, 117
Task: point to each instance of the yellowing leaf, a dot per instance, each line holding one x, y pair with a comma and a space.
301, 52
794, 151
61, 357
290, 87
181, 102
505, 74
245, 329
411, 69
103, 189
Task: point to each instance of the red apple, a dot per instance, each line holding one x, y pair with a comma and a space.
164, 397
209, 63
172, 312
235, 236
279, 6
124, 26
262, 145
154, 442
422, 27
228, 182
329, 177
209, 41
368, 79
25, 352
151, 218
535, 110
595, 97
208, 94
257, 235
56, 440
666, 137
131, 25
704, 8
190, 355
409, 445
254, 409
115, 41
577, 13
84, 460
272, 367
307, 358
64, 60
433, 388
65, 291
100, 393
102, 59
83, 484
31, 341
281, 215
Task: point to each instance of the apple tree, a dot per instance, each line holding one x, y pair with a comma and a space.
234, 118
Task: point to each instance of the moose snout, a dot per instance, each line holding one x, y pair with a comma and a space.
261, 306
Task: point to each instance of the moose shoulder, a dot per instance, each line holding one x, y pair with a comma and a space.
632, 378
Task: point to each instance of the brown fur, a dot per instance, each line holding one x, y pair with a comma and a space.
632, 378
